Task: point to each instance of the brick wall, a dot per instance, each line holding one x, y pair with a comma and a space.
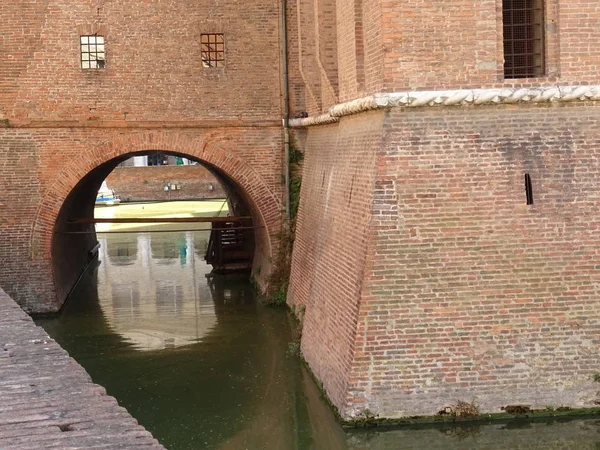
147, 183
373, 44
331, 237
465, 291
153, 66
297, 89
458, 44
386, 45
444, 284
488, 297
308, 50
439, 44
327, 54
579, 52
350, 50
60, 123
43, 167
423, 274
20, 197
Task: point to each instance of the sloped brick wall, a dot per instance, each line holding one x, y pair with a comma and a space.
469, 292
332, 233
447, 285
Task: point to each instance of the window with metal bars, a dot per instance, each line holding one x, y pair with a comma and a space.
212, 47
93, 55
523, 22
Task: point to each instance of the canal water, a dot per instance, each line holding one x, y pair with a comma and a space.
202, 365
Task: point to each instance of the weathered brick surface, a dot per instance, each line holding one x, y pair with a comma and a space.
351, 51
374, 49
147, 183
43, 166
60, 123
458, 44
425, 43
330, 246
488, 297
297, 90
153, 66
386, 45
447, 286
49, 401
466, 292
424, 275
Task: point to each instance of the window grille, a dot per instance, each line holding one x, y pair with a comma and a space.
523, 22
92, 52
212, 50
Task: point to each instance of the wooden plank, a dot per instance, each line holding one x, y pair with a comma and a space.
153, 231
88, 220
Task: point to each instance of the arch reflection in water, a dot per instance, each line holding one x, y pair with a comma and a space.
152, 289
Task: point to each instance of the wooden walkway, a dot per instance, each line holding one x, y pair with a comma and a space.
224, 219
48, 401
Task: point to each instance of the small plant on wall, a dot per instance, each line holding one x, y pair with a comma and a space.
279, 279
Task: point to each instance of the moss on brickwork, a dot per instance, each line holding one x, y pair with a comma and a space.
468, 416
296, 157
418, 422
278, 281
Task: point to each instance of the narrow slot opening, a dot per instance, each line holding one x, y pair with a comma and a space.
528, 189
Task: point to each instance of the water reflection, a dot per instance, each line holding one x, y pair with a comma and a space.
202, 366
144, 300
552, 434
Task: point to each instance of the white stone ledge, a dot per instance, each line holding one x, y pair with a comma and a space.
322, 119
459, 97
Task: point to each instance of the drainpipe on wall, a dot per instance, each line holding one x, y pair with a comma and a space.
286, 117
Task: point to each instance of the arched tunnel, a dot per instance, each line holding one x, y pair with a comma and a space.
73, 243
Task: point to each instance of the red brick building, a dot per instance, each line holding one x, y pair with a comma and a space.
446, 243
426, 269
85, 85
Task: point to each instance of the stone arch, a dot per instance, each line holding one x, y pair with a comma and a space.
208, 150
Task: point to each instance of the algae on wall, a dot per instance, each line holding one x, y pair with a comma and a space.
278, 281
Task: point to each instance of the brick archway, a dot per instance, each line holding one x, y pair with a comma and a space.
266, 206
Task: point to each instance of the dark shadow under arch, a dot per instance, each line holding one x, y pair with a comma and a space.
70, 252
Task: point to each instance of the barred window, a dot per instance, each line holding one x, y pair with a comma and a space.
92, 52
523, 22
212, 50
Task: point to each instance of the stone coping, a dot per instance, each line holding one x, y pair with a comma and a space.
459, 97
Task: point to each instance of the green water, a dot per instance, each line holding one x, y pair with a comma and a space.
202, 366
193, 357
